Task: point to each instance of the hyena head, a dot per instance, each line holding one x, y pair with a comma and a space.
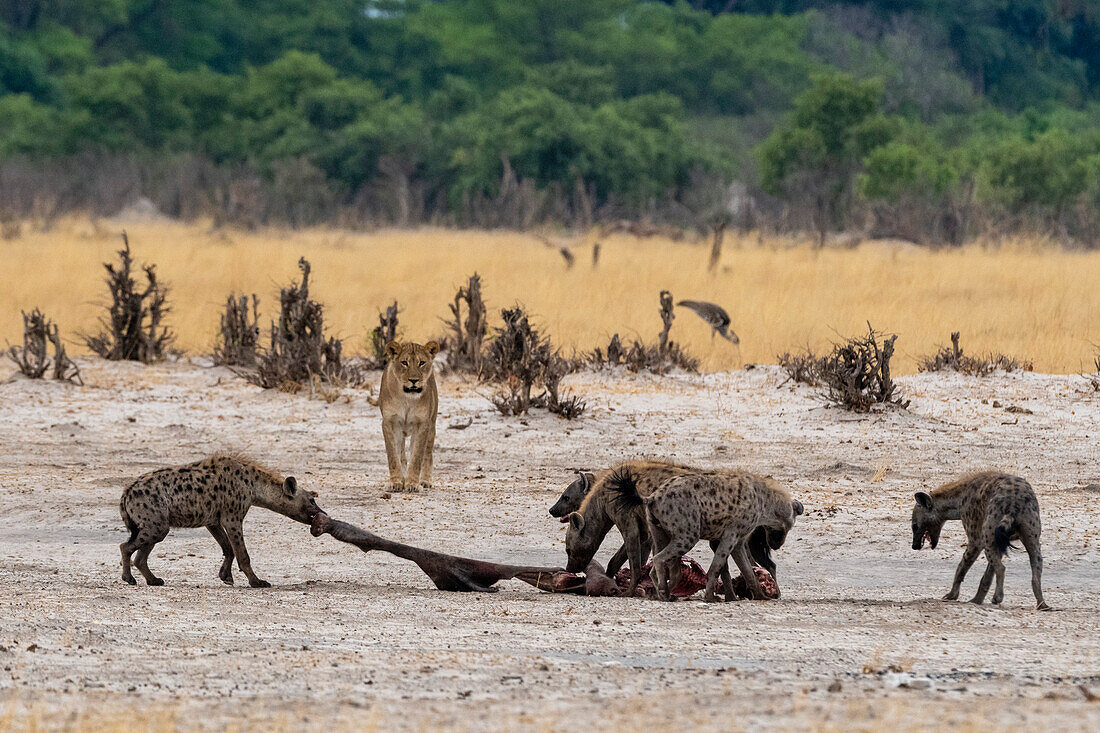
926, 522
581, 542
784, 521
298, 503
570, 499
782, 508
412, 364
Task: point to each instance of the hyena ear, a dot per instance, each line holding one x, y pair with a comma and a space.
576, 521
589, 479
290, 486
432, 348
797, 506
312, 494
924, 499
393, 348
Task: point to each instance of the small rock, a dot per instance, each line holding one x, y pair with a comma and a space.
835, 686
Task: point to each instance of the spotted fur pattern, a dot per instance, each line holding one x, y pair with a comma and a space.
600, 511
215, 493
723, 507
995, 508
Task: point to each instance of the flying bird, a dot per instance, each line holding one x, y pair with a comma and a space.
715, 316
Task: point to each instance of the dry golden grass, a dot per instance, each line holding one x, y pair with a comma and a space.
1025, 299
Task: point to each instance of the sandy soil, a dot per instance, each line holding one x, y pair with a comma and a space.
348, 640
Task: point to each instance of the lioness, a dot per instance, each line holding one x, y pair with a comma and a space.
409, 401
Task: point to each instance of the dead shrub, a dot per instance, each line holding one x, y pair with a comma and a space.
519, 358
952, 358
467, 327
382, 334
33, 357
659, 358
239, 332
299, 350
805, 367
133, 329
856, 375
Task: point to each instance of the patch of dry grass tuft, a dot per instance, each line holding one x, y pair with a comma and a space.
1023, 298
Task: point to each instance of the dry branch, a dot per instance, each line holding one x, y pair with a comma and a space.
133, 329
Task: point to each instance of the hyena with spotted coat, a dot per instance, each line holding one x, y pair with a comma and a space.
995, 508
215, 493
724, 507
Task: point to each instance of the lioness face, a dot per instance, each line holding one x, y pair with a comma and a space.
412, 364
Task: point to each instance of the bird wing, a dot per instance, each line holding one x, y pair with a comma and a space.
713, 314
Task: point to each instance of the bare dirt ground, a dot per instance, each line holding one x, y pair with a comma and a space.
347, 640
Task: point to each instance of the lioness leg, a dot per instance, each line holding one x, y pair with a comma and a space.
395, 449
420, 460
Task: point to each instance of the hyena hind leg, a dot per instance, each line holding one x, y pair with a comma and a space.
1035, 556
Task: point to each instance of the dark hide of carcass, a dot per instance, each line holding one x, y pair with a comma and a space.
461, 574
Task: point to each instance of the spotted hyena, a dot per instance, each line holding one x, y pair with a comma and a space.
995, 508
724, 507
215, 493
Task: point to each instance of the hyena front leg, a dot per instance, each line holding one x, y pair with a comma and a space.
235, 533
720, 562
744, 564
969, 556
226, 571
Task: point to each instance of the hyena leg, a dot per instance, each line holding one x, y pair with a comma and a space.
659, 539
983, 586
667, 566
226, 571
617, 561
744, 564
236, 539
999, 570
718, 563
969, 556
146, 539
637, 544
127, 548
393, 457
1035, 555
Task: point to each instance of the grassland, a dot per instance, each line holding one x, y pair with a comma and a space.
1027, 299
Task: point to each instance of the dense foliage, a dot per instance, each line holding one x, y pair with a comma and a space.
924, 119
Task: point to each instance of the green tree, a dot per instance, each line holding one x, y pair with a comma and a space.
818, 152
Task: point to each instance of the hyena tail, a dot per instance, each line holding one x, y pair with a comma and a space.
622, 490
130, 524
1002, 534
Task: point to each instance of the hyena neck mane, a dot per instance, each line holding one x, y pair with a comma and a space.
267, 487
947, 500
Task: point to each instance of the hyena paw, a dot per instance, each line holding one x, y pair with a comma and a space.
996, 600
129, 579
1043, 607
952, 595
155, 581
257, 583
